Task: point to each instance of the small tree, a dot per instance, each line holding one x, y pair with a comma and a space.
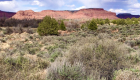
62, 26
102, 22
92, 25
49, 26
107, 21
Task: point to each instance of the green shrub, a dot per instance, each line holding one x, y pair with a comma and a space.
107, 21
82, 27
49, 26
92, 25
129, 21
18, 63
121, 22
134, 19
114, 21
136, 22
62, 26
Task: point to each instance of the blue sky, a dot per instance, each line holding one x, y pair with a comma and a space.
118, 6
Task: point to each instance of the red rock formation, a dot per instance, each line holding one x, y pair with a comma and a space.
81, 14
6, 14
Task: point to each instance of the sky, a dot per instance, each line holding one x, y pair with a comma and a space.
118, 6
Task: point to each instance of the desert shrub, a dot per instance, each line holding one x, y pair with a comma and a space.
72, 25
18, 63
18, 29
20, 68
8, 31
65, 71
49, 26
105, 56
54, 56
92, 25
107, 21
62, 26
29, 30
127, 74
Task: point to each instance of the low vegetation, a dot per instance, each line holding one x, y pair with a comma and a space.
90, 50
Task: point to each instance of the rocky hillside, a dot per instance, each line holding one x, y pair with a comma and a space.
80, 14
6, 14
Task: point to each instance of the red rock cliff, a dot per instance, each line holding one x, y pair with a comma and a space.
80, 14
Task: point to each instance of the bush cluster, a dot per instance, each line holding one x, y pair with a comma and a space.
14, 22
127, 21
18, 29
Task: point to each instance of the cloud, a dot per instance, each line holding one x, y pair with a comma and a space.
36, 2
107, 4
71, 6
136, 5
53, 4
8, 5
5, 0
118, 10
80, 8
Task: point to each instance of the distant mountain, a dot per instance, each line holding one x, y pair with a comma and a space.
88, 13
127, 15
6, 14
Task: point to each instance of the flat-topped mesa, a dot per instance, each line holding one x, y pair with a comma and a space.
93, 13
72, 14
99, 9
127, 15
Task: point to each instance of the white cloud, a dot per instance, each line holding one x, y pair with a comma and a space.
71, 6
80, 8
136, 5
118, 10
36, 2
91, 3
8, 5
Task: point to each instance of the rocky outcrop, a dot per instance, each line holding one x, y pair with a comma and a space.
127, 15
4, 14
80, 14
